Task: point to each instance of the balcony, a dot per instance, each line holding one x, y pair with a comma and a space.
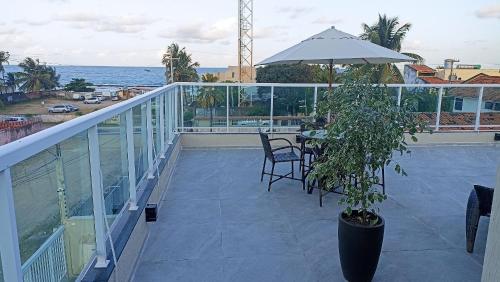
72, 197
218, 222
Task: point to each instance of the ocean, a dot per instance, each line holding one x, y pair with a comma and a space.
115, 76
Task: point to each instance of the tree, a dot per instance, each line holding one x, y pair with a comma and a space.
210, 97
11, 82
387, 33
4, 59
183, 66
79, 85
37, 76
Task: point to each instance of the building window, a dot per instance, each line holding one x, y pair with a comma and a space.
459, 102
232, 74
497, 106
488, 105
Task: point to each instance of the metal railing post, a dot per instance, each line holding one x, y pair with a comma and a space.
149, 140
97, 198
315, 107
272, 109
131, 161
400, 90
182, 108
176, 109
170, 118
161, 108
478, 110
438, 110
227, 108
9, 243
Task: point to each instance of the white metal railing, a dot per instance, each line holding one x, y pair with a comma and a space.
173, 101
272, 117
48, 263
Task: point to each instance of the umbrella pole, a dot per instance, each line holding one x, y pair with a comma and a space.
330, 77
330, 88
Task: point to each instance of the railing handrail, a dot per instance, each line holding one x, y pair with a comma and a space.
21, 149
224, 84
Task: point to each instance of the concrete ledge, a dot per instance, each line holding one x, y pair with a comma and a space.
252, 140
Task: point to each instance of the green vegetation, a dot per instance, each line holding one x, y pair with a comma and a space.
210, 97
387, 33
37, 76
79, 85
368, 128
4, 59
182, 64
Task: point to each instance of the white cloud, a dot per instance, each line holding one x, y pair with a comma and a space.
492, 11
198, 32
294, 12
34, 22
326, 21
270, 31
121, 24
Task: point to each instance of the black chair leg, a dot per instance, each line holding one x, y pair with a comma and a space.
383, 180
320, 196
263, 168
293, 174
270, 179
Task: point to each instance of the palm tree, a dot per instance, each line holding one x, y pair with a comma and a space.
387, 33
11, 82
4, 59
210, 97
37, 76
184, 68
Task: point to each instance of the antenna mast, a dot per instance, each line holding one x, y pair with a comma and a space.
245, 40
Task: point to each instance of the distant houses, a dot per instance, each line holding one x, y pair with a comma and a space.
465, 99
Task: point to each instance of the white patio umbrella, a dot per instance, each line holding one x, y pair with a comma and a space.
333, 46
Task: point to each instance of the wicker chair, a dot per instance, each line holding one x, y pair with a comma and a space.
277, 155
479, 204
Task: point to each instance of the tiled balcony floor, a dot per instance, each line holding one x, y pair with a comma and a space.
218, 223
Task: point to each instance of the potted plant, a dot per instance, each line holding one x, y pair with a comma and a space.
367, 128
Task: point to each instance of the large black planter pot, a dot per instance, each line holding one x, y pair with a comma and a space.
359, 248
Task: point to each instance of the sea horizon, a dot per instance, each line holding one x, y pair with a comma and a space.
115, 75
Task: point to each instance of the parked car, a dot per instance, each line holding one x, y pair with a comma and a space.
72, 107
78, 97
92, 100
115, 98
59, 109
15, 119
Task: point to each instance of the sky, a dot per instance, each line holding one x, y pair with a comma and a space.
136, 33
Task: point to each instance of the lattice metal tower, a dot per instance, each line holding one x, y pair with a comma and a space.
245, 40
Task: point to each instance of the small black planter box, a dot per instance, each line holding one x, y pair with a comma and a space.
497, 136
151, 212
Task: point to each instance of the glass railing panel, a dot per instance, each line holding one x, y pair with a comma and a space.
423, 101
1, 271
249, 108
54, 210
292, 106
204, 108
458, 108
166, 107
490, 109
140, 142
114, 164
155, 120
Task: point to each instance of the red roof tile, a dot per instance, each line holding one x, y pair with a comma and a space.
433, 80
483, 79
422, 68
